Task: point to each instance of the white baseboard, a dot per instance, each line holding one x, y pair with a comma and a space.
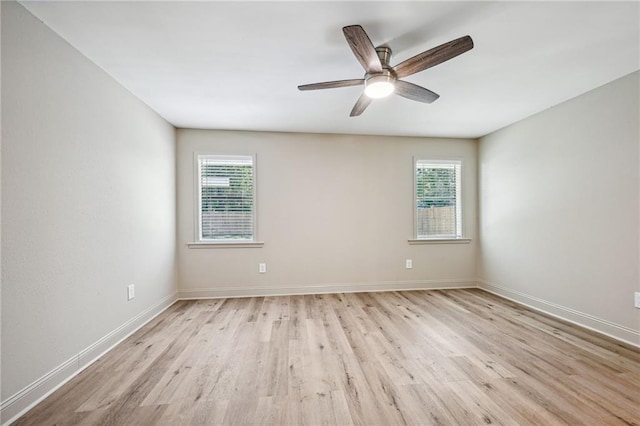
222, 292
15, 406
624, 334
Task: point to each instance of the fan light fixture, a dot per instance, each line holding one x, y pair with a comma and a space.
379, 86
380, 78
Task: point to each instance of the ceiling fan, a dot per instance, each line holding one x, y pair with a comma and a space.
381, 79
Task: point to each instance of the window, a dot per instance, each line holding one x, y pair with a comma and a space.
438, 199
226, 198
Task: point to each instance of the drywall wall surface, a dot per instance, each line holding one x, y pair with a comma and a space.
88, 202
559, 202
335, 213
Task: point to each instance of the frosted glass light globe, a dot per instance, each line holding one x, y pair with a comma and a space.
379, 89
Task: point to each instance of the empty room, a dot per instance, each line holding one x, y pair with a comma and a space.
320, 213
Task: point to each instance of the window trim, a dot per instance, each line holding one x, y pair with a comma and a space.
198, 241
417, 242
460, 237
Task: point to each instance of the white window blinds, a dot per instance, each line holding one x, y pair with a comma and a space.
226, 197
438, 204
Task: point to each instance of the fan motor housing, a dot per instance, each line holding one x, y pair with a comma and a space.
384, 76
387, 75
384, 53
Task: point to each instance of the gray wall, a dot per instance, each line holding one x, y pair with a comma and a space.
559, 209
335, 213
88, 202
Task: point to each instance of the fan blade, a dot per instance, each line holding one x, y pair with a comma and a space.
414, 92
361, 104
433, 57
332, 84
363, 48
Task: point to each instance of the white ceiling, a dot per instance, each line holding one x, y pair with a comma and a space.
236, 65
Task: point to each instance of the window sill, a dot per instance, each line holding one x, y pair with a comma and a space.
440, 241
224, 244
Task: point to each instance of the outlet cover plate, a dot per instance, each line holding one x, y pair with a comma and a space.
131, 292
636, 299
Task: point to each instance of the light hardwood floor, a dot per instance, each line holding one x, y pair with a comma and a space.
457, 357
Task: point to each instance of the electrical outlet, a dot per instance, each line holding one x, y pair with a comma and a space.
408, 264
636, 301
262, 268
131, 292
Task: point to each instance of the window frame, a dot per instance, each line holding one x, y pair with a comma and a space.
200, 242
459, 235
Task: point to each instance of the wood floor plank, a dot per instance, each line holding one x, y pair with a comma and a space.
385, 392
272, 410
479, 404
272, 380
341, 408
297, 323
444, 357
421, 405
518, 405
365, 409
355, 338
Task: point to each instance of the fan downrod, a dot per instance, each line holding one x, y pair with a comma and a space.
384, 53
